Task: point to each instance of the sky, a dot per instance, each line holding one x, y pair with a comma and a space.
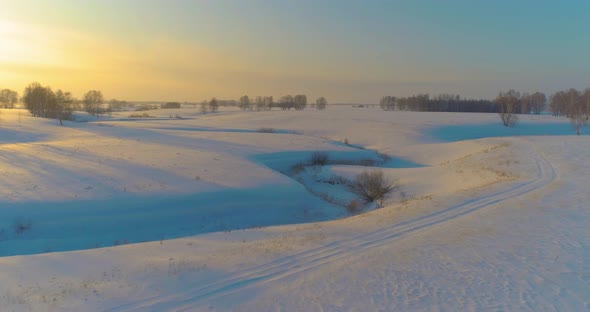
346, 51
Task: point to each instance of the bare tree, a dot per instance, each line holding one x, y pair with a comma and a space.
576, 110
259, 103
579, 120
319, 158
268, 102
507, 105
387, 103
245, 103
524, 104
64, 105
538, 101
213, 105
372, 186
8, 98
204, 107
43, 102
39, 100
558, 103
440, 103
286, 102
117, 105
573, 103
321, 103
586, 102
93, 99
300, 101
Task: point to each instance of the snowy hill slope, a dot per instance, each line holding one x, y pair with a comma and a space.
493, 223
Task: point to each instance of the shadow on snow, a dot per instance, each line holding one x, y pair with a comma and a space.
455, 133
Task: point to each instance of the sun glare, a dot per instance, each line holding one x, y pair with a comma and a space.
11, 46
29, 45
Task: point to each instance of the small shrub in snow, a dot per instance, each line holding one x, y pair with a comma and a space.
354, 207
319, 158
334, 180
384, 157
372, 186
298, 168
21, 226
338, 180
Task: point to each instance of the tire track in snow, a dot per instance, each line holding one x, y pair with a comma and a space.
197, 295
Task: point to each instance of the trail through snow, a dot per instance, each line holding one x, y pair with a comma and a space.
199, 294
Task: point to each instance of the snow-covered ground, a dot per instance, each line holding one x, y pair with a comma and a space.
211, 213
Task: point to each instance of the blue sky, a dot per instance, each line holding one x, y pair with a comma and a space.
348, 51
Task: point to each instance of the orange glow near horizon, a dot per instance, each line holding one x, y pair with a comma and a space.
355, 52
161, 66
64, 59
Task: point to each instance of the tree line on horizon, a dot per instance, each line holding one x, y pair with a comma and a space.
561, 103
528, 103
570, 103
265, 103
286, 102
42, 101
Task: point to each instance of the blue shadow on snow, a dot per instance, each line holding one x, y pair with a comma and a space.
456, 133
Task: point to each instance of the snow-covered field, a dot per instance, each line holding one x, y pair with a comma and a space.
209, 213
